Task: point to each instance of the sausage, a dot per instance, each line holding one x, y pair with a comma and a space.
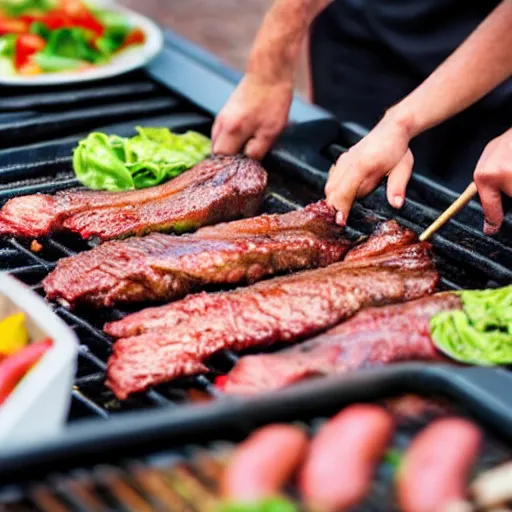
342, 458
436, 467
264, 463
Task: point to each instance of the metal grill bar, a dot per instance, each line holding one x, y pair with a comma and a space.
58, 123
92, 95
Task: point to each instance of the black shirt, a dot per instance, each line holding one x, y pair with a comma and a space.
368, 54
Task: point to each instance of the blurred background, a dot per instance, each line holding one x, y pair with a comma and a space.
224, 27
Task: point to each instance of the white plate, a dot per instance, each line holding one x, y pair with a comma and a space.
126, 61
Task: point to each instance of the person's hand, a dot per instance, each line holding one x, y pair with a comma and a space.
493, 175
384, 151
253, 118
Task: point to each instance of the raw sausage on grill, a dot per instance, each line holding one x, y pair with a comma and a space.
264, 463
343, 457
436, 466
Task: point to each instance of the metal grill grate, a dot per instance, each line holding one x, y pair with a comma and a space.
41, 130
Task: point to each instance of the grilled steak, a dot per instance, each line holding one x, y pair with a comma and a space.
215, 190
374, 337
160, 344
159, 266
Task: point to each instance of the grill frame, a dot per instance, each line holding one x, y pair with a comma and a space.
298, 168
480, 392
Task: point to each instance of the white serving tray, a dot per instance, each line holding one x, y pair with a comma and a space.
39, 405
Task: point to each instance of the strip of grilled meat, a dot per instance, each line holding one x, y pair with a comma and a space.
374, 337
166, 267
160, 344
217, 189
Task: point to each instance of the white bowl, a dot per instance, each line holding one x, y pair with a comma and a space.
39, 405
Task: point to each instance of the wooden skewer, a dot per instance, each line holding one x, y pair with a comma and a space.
453, 209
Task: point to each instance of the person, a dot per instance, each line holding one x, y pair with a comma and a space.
367, 56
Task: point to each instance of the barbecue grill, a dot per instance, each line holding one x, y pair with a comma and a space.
183, 89
174, 462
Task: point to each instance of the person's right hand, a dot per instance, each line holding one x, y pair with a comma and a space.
493, 176
384, 151
253, 117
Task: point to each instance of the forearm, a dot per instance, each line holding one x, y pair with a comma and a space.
277, 46
479, 65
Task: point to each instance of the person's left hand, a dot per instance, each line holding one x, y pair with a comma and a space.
384, 151
493, 175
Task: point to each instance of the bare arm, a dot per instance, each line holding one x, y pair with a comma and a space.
479, 65
276, 49
258, 110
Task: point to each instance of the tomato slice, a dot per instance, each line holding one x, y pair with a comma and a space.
80, 16
73, 7
30, 18
9, 26
26, 46
73, 13
55, 20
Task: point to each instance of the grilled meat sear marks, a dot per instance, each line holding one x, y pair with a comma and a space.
167, 267
160, 344
217, 189
373, 337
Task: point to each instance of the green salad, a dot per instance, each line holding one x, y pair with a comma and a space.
49, 36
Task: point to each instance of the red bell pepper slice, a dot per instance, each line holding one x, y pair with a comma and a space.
26, 46
89, 22
221, 381
15, 367
136, 36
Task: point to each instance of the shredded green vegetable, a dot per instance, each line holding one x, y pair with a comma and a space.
153, 156
267, 505
16, 8
116, 31
40, 29
481, 332
7, 45
393, 457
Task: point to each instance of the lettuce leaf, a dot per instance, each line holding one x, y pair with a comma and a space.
72, 43
8, 45
481, 332
55, 63
6, 67
277, 504
155, 155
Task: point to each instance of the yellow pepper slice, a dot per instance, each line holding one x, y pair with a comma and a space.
13, 334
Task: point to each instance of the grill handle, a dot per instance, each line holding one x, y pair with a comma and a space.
486, 391
299, 150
